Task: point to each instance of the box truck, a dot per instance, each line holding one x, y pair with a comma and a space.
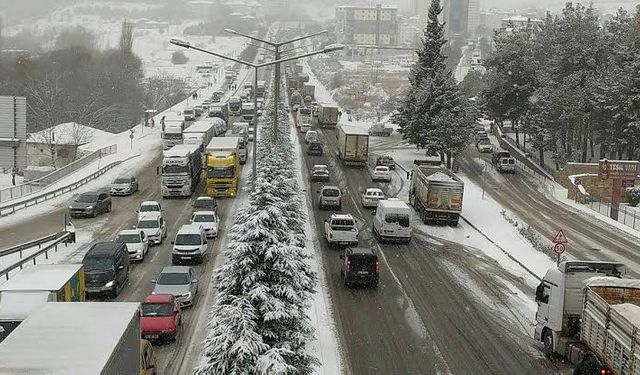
327, 115
353, 145
33, 287
75, 338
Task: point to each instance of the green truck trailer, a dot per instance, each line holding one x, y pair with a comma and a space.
33, 287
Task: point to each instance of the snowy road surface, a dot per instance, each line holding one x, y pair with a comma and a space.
589, 239
440, 306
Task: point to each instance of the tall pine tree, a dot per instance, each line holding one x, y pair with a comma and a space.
433, 115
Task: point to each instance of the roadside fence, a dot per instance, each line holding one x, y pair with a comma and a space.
54, 241
31, 187
629, 216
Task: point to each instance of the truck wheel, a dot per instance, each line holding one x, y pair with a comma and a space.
547, 341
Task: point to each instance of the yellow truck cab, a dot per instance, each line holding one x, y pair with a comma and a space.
223, 167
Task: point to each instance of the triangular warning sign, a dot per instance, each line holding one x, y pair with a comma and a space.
560, 237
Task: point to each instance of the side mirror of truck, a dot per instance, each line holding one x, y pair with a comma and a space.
373, 213
540, 297
157, 170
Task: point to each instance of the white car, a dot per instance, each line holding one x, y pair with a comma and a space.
311, 136
381, 173
149, 207
136, 241
305, 127
371, 196
208, 220
340, 229
153, 226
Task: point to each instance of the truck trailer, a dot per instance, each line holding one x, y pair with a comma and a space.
223, 167
327, 115
33, 287
436, 194
199, 133
235, 106
308, 92
75, 338
181, 170
589, 315
353, 145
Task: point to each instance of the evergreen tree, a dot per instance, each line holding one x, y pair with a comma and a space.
433, 115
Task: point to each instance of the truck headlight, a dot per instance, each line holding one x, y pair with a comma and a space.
109, 284
89, 208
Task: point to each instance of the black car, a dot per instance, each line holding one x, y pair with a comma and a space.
360, 266
314, 148
205, 204
386, 161
106, 268
90, 204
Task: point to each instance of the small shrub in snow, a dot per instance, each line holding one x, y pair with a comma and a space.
633, 196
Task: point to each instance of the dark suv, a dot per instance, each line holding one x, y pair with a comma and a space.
90, 204
106, 268
360, 266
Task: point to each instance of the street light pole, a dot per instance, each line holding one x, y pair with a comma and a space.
327, 49
276, 46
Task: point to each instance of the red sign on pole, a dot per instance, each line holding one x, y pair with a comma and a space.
560, 238
558, 248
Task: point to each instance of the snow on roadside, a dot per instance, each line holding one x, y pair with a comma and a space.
326, 345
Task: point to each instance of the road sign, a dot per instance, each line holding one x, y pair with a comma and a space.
623, 169
558, 248
560, 238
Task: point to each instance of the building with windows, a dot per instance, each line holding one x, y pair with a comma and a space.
513, 23
377, 25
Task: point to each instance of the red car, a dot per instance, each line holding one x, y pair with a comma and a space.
161, 317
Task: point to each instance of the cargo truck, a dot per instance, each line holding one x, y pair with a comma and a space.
590, 316
247, 112
223, 167
436, 194
200, 133
302, 79
75, 338
353, 145
219, 110
327, 115
308, 91
241, 130
297, 68
380, 130
181, 170
261, 89
172, 135
33, 287
235, 106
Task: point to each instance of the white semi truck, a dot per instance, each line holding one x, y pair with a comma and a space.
200, 132
181, 170
589, 315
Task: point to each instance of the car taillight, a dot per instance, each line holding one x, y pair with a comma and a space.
348, 266
377, 267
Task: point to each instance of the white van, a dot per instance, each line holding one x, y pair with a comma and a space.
391, 221
190, 244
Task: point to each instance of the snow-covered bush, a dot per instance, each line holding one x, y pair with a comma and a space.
633, 196
259, 323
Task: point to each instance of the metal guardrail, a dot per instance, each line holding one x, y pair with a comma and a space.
62, 237
34, 186
13, 207
28, 245
518, 154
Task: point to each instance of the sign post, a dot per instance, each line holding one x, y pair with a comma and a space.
559, 244
622, 173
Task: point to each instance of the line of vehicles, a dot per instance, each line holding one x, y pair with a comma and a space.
39, 293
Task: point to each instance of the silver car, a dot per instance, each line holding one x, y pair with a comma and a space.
124, 186
181, 281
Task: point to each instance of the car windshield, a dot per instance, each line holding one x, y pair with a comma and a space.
174, 169
382, 169
342, 224
188, 239
374, 193
146, 224
220, 172
97, 263
157, 309
150, 208
87, 198
401, 219
171, 278
129, 238
204, 203
331, 192
121, 181
204, 219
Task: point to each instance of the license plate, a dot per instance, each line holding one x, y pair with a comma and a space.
363, 272
343, 243
185, 257
151, 336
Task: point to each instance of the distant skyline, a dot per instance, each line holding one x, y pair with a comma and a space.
511, 4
